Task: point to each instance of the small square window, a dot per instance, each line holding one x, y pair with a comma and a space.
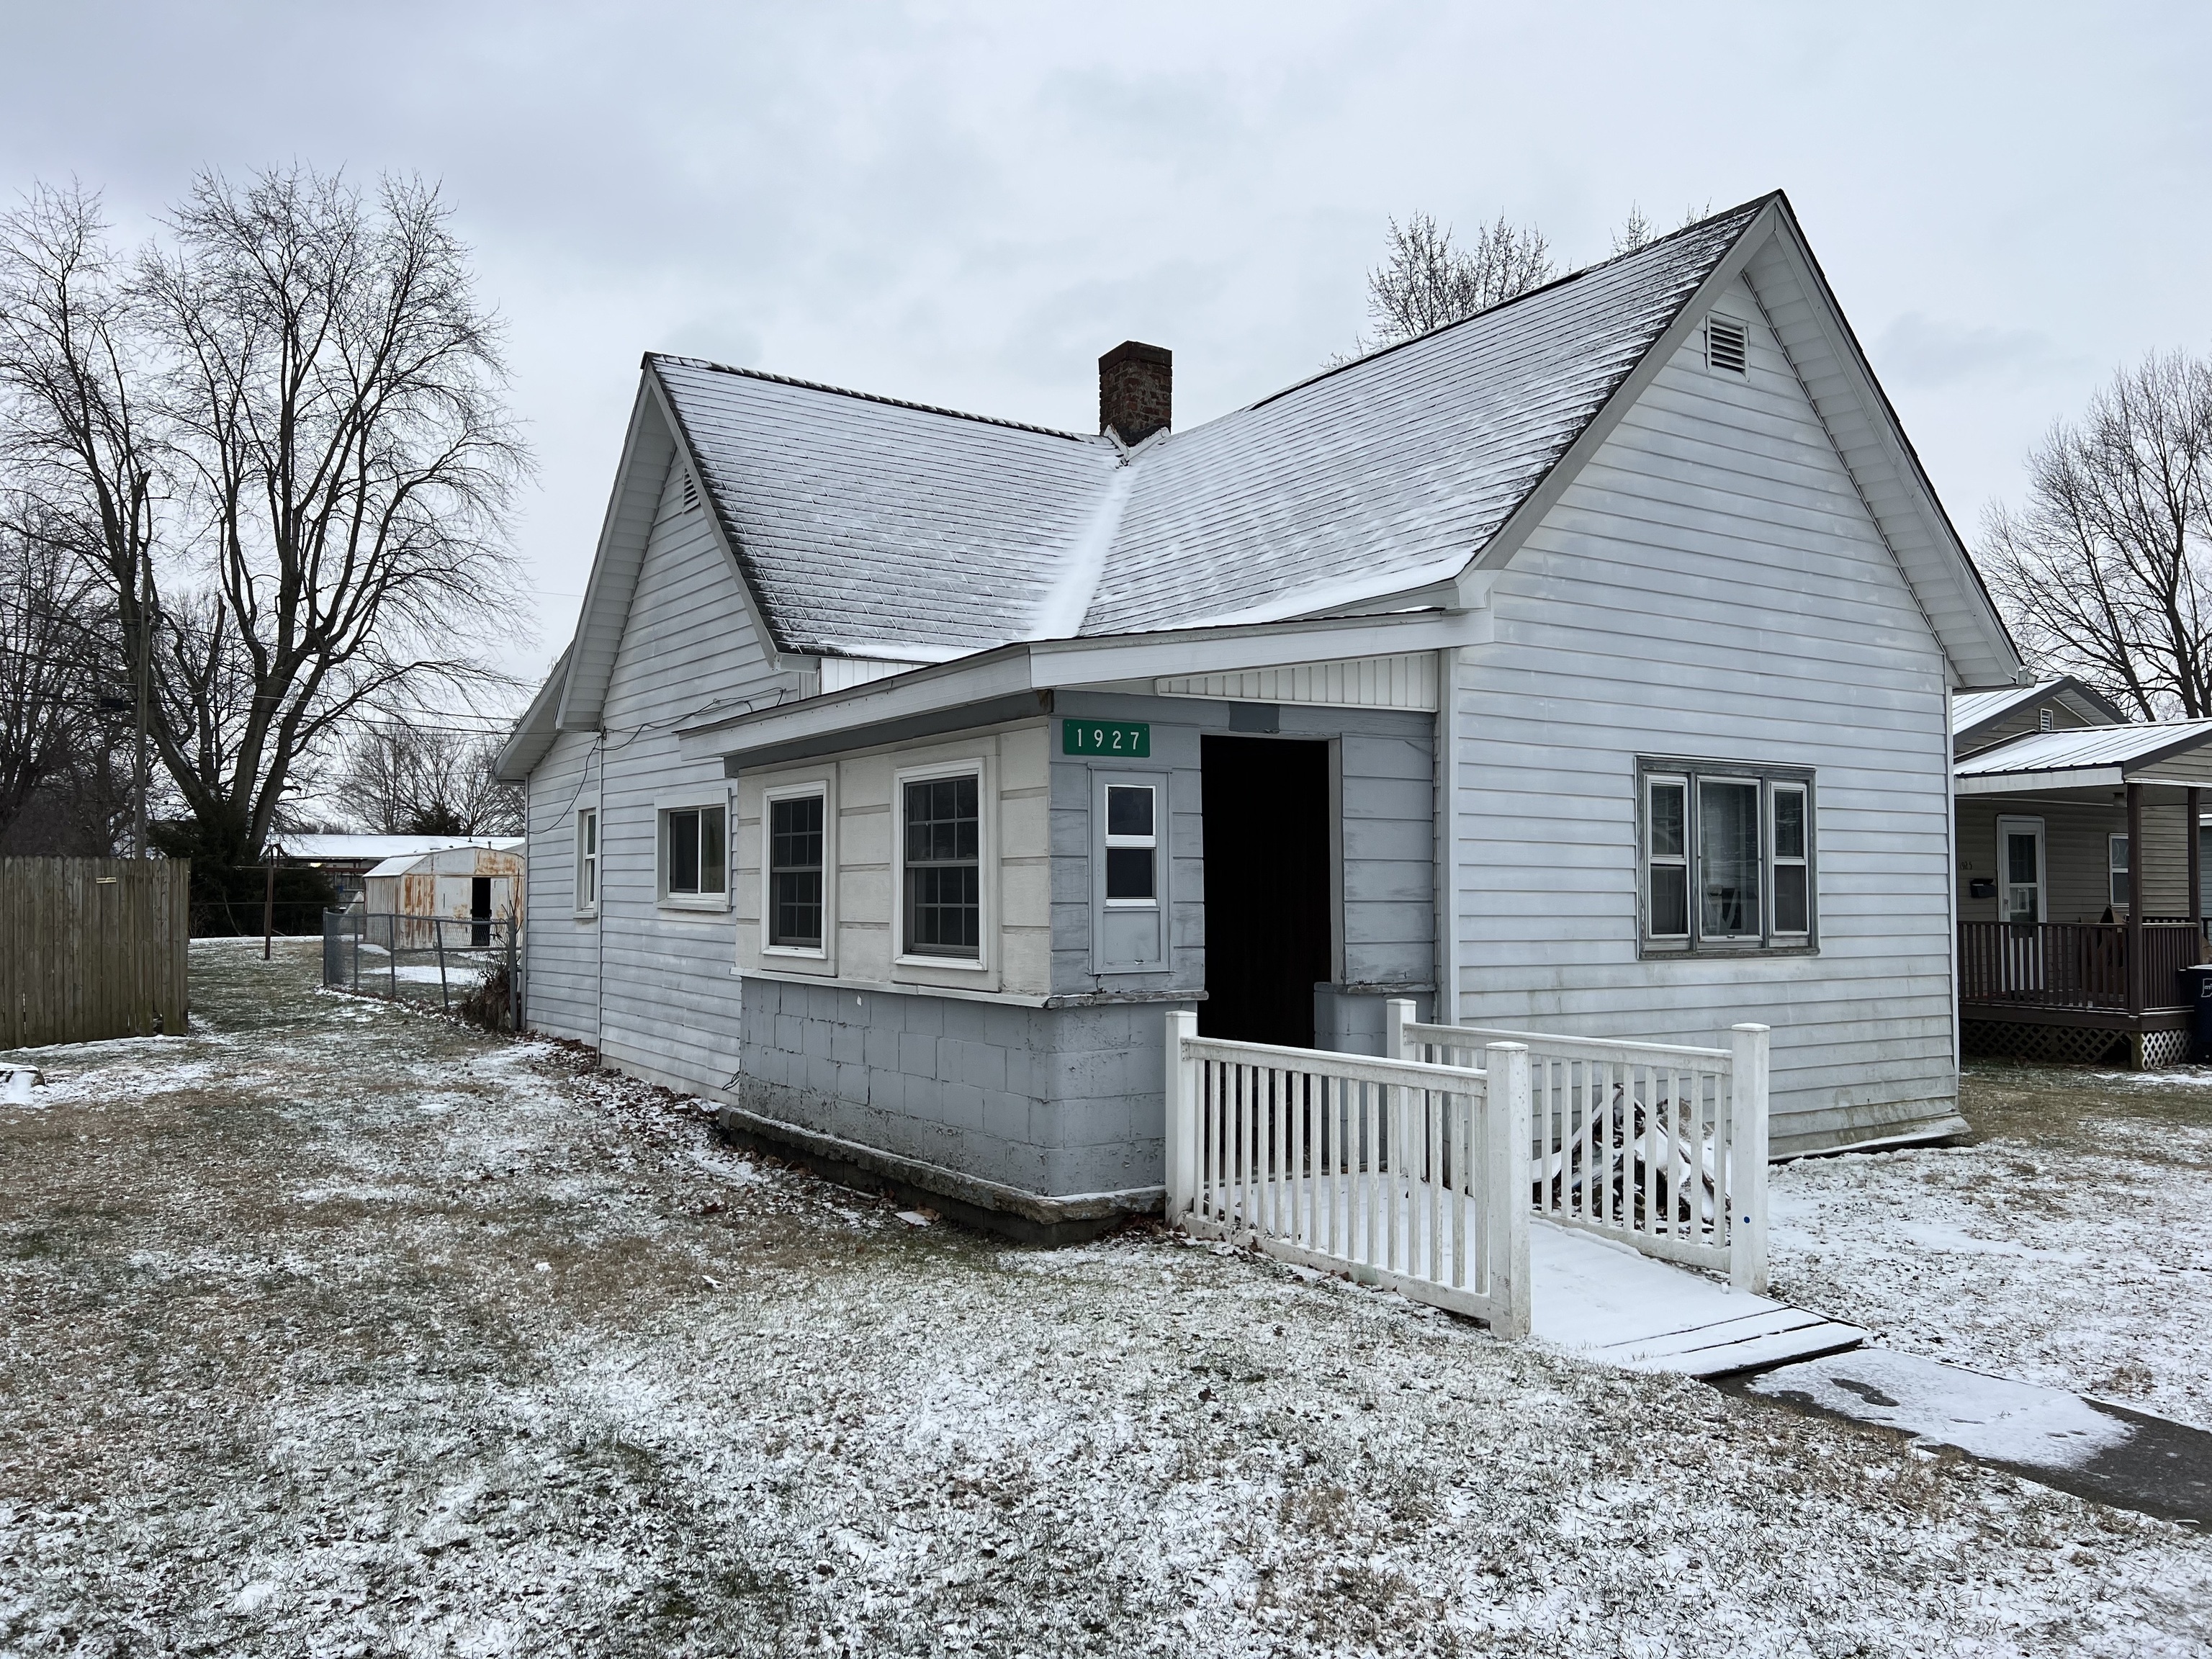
1132, 845
693, 859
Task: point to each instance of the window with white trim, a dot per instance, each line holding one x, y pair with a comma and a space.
2119, 888
796, 839
694, 855
1727, 857
942, 823
1132, 845
587, 859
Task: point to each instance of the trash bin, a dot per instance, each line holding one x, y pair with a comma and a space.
2199, 982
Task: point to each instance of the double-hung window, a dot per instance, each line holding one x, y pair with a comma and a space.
1727, 857
587, 859
2120, 892
943, 850
1132, 845
795, 844
694, 855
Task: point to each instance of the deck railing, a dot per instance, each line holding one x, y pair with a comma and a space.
2073, 964
1405, 1175
1658, 1146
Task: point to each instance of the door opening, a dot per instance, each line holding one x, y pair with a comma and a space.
1267, 934
479, 911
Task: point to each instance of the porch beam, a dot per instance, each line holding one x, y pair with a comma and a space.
2135, 874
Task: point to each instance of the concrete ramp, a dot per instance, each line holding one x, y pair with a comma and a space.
1607, 1301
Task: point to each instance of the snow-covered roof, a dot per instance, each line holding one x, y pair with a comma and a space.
865, 527
407, 862
312, 849
872, 527
2087, 748
1970, 709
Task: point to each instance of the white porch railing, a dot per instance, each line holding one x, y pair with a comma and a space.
1659, 1147
1407, 1176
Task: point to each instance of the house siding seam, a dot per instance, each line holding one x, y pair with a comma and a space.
1711, 585
667, 998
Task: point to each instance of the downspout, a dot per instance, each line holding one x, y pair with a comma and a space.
1447, 839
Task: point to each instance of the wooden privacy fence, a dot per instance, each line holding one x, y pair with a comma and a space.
1407, 1175
93, 948
1657, 1146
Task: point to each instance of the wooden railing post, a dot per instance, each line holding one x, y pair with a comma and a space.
1746, 1170
2136, 873
1397, 1015
1507, 1108
1181, 1078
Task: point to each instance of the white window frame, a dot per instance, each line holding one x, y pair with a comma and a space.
1149, 843
1682, 861
586, 815
2007, 826
1776, 861
821, 958
2117, 864
984, 964
1690, 774
691, 801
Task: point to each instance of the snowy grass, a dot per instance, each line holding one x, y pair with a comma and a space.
293, 1365
2070, 1244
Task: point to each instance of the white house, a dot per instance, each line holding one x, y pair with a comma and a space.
1590, 660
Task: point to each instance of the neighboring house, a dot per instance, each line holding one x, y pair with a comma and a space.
476, 883
2064, 813
1590, 659
347, 859
1983, 720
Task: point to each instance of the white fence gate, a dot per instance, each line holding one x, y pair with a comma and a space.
1409, 1175
1658, 1146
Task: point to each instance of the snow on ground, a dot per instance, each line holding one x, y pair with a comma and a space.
2070, 1245
291, 1365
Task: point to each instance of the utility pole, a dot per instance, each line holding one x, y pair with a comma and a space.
145, 680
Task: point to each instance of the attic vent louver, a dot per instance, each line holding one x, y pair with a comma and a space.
690, 492
1725, 345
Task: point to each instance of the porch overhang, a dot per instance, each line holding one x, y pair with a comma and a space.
1017, 681
2098, 783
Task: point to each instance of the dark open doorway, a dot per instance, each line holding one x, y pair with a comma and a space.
480, 911
1266, 888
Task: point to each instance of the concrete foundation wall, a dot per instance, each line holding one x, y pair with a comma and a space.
1050, 1101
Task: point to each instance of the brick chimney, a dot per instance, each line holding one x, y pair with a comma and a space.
1136, 391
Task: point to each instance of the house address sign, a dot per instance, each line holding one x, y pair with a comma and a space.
1106, 738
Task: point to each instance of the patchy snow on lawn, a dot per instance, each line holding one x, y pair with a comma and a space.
2070, 1245
294, 1366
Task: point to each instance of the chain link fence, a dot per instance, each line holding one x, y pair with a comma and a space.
466, 965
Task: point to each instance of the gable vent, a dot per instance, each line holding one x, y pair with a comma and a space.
690, 492
1725, 345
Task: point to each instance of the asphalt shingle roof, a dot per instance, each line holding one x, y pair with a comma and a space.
870, 527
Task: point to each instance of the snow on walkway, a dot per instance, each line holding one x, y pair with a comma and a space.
2071, 1246
333, 1328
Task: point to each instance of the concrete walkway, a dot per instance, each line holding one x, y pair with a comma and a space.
1607, 1302
2087, 1447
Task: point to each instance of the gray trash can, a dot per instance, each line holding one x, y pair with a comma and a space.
2199, 982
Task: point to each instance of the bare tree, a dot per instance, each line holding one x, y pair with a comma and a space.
54, 735
1425, 281
287, 424
406, 778
2103, 573
1638, 231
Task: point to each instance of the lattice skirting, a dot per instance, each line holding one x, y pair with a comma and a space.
2065, 1045
2164, 1048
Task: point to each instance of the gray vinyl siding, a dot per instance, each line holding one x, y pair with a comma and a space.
669, 996
1386, 916
562, 949
1711, 586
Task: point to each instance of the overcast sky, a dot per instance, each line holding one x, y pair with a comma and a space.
966, 204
